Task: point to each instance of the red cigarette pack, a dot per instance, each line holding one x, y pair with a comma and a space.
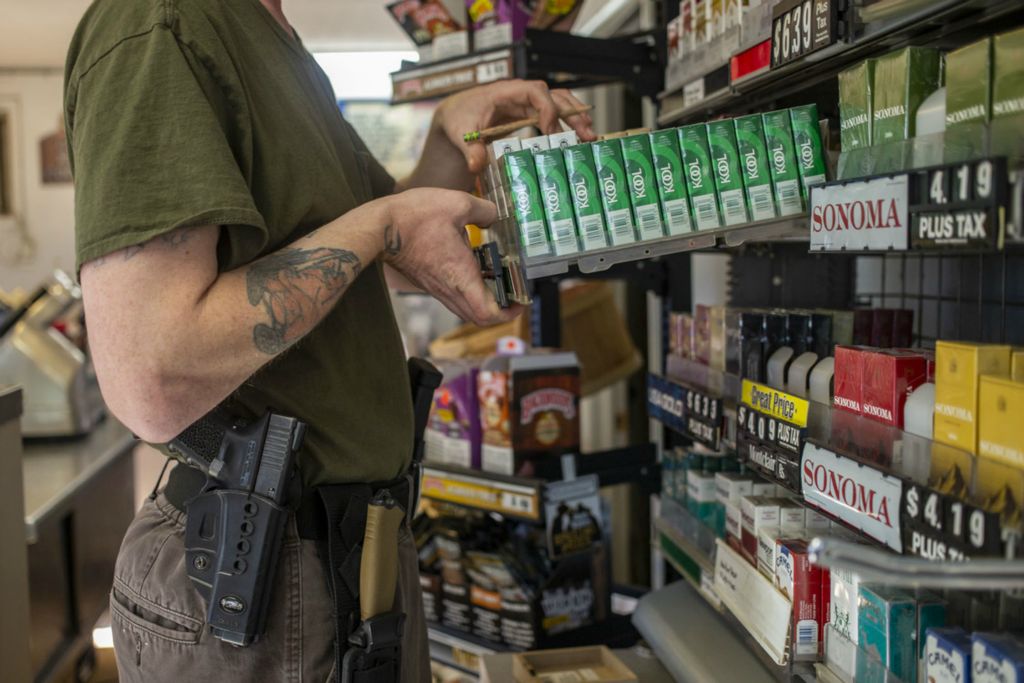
847, 377
889, 376
802, 582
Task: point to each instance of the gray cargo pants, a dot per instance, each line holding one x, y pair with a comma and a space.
158, 617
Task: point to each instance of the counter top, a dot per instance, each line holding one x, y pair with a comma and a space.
53, 470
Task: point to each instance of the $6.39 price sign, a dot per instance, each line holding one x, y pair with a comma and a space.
800, 27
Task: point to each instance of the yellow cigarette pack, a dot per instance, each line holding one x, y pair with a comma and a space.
1000, 409
958, 365
1017, 365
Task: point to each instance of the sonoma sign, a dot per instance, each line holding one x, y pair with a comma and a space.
869, 214
860, 496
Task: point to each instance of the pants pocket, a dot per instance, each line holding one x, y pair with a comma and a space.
133, 613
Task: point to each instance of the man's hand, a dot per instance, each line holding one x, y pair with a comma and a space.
425, 240
448, 161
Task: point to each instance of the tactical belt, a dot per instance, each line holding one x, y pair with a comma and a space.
334, 516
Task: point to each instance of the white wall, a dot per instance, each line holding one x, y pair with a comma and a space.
47, 211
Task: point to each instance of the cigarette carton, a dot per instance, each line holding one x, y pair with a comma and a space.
1007, 75
958, 366
848, 378
668, 167
802, 581
554, 189
700, 183
757, 182
757, 513
855, 114
778, 135
888, 378
903, 79
947, 655
562, 140
725, 159
733, 525
969, 84
611, 174
500, 148
701, 500
886, 626
997, 658
730, 488
586, 196
529, 207
1000, 409
643, 186
810, 155
765, 560
843, 611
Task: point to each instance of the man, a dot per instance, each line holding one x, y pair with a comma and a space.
232, 236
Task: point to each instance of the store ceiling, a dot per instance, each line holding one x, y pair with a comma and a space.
36, 34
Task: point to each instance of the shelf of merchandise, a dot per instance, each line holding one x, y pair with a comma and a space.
560, 59
948, 486
881, 26
523, 497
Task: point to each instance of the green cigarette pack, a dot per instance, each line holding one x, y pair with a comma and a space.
855, 117
671, 187
529, 208
554, 190
1008, 74
725, 158
969, 84
757, 182
643, 186
700, 182
586, 196
810, 155
903, 79
778, 136
611, 174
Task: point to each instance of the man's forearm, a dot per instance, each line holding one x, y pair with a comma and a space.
176, 354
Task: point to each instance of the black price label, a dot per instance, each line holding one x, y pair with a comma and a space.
940, 527
687, 411
703, 406
770, 429
800, 27
774, 463
960, 205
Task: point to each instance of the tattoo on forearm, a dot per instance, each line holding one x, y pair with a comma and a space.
294, 286
392, 240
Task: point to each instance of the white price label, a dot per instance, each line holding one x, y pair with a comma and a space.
517, 502
693, 92
492, 71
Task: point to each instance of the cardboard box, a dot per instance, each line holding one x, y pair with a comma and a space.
1007, 75
778, 135
643, 186
848, 378
455, 417
886, 624
700, 183
801, 581
969, 84
586, 196
810, 154
947, 655
757, 182
590, 663
496, 23
757, 513
725, 159
529, 206
888, 378
554, 190
855, 102
668, 167
1000, 410
958, 366
997, 658
611, 175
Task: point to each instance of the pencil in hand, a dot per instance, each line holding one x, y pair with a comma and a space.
513, 126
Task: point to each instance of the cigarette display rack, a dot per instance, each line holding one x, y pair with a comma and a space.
561, 59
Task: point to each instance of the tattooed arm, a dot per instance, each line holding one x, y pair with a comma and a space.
171, 336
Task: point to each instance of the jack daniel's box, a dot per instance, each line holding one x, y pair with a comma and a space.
529, 410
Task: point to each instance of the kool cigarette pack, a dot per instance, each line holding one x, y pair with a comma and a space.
757, 182
725, 158
668, 167
554, 188
611, 174
700, 182
643, 186
586, 196
778, 134
810, 154
529, 206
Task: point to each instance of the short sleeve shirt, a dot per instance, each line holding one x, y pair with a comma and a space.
207, 112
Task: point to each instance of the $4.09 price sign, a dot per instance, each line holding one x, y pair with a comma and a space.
800, 27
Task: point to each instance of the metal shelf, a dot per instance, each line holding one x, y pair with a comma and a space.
790, 228
560, 59
881, 26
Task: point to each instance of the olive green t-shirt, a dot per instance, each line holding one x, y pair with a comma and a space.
198, 112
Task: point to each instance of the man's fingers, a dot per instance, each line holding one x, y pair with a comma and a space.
540, 99
480, 212
581, 123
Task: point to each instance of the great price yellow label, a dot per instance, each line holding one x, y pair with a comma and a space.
778, 404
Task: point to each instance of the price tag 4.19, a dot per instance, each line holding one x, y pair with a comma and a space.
960, 205
940, 527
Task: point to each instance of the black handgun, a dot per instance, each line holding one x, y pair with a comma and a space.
234, 528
